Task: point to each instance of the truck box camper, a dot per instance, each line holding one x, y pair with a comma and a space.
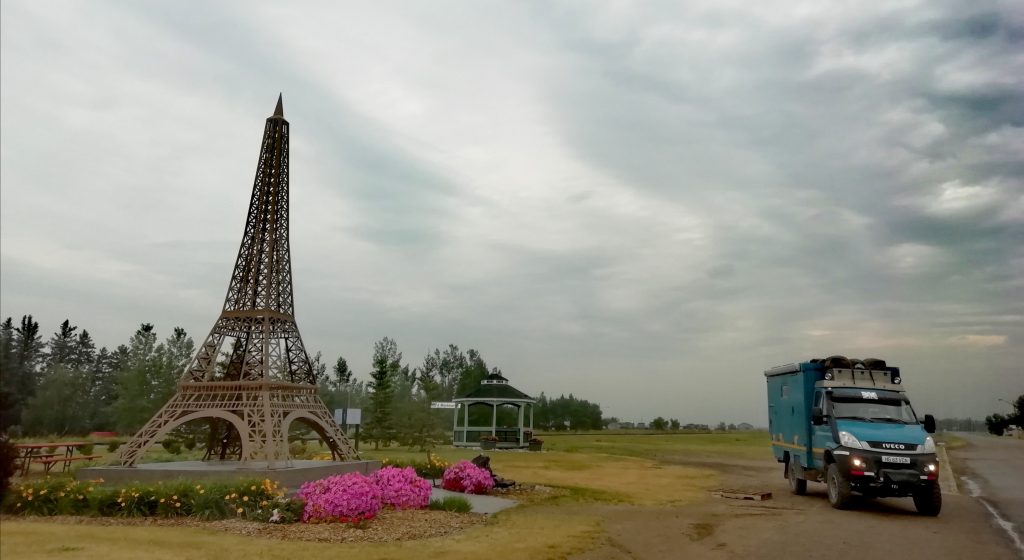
848, 423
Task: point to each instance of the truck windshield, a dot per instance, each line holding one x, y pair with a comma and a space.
873, 410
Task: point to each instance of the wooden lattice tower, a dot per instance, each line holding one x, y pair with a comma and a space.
266, 381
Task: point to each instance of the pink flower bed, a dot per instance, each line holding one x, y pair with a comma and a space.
467, 478
402, 488
350, 496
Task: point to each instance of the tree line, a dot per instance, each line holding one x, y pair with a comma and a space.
65, 386
998, 423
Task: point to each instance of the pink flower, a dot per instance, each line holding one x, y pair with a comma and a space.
331, 498
401, 488
467, 478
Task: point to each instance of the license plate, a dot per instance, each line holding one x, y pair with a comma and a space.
891, 459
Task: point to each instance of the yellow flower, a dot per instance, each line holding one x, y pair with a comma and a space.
252, 488
177, 504
30, 498
17, 504
89, 489
199, 486
202, 491
264, 503
162, 500
239, 510
245, 498
175, 497
42, 492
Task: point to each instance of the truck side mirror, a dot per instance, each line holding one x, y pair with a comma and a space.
817, 418
929, 423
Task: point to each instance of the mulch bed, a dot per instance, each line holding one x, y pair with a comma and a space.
388, 526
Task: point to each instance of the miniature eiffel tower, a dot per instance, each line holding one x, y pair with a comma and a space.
268, 382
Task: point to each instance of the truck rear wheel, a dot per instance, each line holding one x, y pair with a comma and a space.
838, 488
928, 499
797, 485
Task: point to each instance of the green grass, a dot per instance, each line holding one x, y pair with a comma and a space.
951, 441
458, 504
666, 447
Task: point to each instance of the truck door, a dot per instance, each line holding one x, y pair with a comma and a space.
821, 436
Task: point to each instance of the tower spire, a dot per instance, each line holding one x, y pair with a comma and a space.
279, 110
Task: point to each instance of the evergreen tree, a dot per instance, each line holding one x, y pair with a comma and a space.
473, 371
147, 375
60, 405
20, 374
342, 374
8, 375
62, 345
103, 387
62, 402
380, 426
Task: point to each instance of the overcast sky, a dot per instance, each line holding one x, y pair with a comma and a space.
645, 204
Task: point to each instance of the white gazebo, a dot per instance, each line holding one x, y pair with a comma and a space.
510, 420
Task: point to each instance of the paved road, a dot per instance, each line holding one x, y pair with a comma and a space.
993, 471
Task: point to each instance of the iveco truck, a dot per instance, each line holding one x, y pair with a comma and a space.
848, 423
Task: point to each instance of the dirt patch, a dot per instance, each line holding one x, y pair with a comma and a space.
529, 493
701, 531
715, 528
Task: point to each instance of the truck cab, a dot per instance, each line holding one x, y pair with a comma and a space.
849, 423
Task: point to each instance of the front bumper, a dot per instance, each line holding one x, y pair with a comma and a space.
881, 473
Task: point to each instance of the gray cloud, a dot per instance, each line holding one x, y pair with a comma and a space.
650, 201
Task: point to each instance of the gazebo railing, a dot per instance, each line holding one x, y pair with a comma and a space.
473, 434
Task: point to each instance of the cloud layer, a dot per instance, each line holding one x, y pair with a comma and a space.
643, 204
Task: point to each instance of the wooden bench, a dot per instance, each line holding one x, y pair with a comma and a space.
49, 462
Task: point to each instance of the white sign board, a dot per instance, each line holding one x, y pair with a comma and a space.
353, 418
443, 405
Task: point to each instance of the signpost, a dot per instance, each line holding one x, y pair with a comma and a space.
350, 417
455, 413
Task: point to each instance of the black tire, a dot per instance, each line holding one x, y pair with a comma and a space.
797, 485
838, 488
928, 499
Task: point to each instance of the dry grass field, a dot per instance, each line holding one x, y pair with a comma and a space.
596, 469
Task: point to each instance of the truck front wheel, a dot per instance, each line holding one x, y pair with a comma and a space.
928, 499
838, 488
797, 485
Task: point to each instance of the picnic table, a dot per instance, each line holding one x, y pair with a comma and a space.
41, 453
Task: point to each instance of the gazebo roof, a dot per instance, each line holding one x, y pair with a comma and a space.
495, 388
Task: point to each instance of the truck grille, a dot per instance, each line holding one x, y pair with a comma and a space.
893, 447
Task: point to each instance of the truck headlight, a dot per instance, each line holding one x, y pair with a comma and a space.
846, 439
929, 445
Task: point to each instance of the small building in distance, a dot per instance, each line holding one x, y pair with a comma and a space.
744, 427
